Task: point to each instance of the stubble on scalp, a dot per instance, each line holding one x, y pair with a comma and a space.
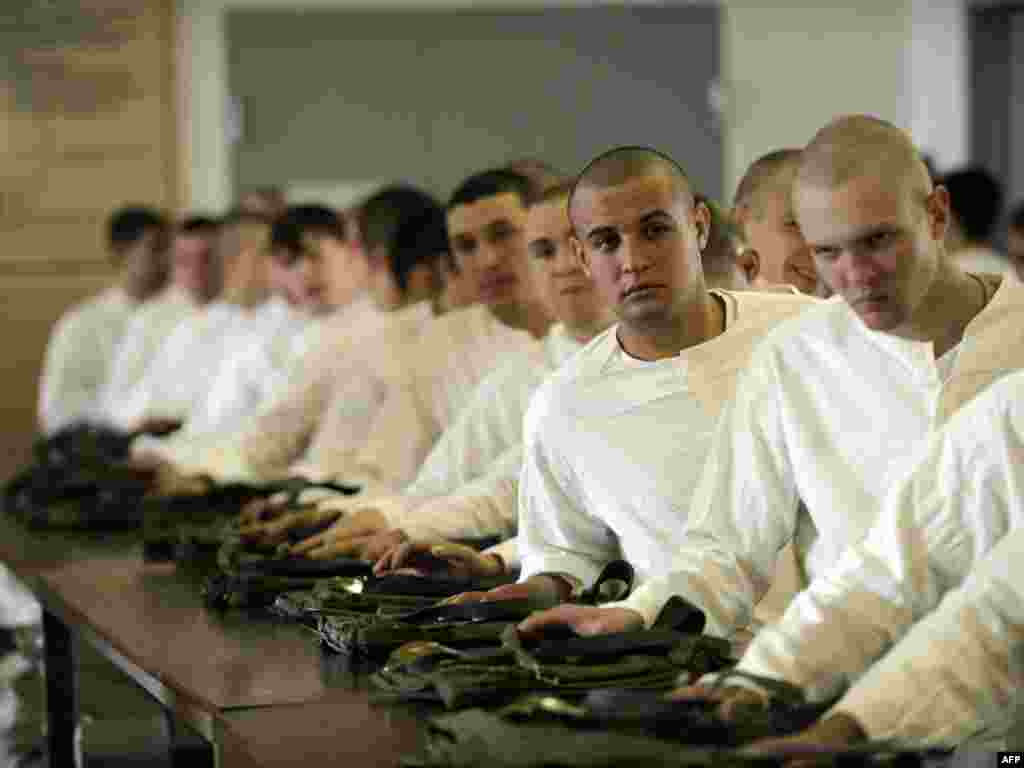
854, 146
768, 173
623, 164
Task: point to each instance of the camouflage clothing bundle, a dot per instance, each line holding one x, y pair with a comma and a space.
648, 659
562, 735
78, 480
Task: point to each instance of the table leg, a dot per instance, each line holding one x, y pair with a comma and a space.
61, 659
187, 748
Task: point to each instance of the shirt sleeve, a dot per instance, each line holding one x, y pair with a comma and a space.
483, 508
489, 424
557, 533
73, 375
743, 512
508, 551
958, 673
127, 368
402, 433
953, 508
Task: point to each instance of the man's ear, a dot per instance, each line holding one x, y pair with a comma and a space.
581, 255
702, 221
939, 212
749, 262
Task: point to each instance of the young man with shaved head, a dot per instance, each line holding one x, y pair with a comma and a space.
615, 438
763, 210
834, 401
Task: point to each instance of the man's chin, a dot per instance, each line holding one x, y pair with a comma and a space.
878, 319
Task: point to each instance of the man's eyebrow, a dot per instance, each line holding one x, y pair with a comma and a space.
859, 236
658, 213
603, 230
500, 223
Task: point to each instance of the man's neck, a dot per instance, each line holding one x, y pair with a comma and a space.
531, 317
586, 334
703, 320
954, 299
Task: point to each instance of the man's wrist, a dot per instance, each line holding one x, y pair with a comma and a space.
563, 585
842, 727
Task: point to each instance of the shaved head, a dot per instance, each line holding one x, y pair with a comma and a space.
768, 172
622, 164
858, 145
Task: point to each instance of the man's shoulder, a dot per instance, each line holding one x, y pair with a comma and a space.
97, 309
590, 360
769, 307
793, 320
556, 392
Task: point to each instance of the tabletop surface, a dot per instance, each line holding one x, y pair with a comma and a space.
278, 697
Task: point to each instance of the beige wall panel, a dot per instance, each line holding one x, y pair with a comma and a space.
95, 128
67, 242
31, 304
93, 184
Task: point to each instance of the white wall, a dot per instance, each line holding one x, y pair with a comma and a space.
938, 77
787, 68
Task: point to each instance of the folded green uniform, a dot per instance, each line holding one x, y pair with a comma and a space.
375, 636
562, 664
551, 737
182, 527
77, 479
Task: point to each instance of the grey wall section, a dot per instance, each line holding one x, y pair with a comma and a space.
432, 96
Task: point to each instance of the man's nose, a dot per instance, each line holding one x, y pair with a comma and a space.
633, 257
566, 263
490, 256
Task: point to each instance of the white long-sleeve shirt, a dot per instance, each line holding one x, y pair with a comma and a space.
256, 367
180, 373
445, 367
491, 422
826, 414
79, 356
316, 424
614, 445
146, 333
467, 486
259, 352
946, 558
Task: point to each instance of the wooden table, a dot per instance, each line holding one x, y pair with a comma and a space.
260, 692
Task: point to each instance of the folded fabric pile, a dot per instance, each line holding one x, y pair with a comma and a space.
78, 479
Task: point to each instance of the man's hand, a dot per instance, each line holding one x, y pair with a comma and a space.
340, 538
835, 732
261, 510
522, 591
439, 558
165, 479
583, 620
158, 427
369, 548
733, 700
284, 520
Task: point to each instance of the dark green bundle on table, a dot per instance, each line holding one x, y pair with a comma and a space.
567, 665
78, 479
188, 527
545, 732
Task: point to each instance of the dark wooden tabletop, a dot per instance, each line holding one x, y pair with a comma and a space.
276, 697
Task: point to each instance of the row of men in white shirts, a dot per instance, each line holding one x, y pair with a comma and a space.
833, 403
610, 460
